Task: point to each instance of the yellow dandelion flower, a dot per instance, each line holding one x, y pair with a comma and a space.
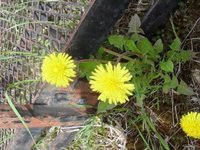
190, 123
112, 83
58, 69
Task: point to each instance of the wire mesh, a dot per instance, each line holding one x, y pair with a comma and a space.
30, 29
5, 136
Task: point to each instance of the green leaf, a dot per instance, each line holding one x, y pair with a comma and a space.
166, 84
165, 88
130, 46
158, 46
140, 99
148, 62
144, 45
100, 53
153, 75
87, 67
180, 56
167, 78
117, 41
153, 53
172, 55
184, 89
131, 65
104, 106
134, 25
141, 88
174, 82
135, 37
169, 83
176, 44
185, 55
167, 66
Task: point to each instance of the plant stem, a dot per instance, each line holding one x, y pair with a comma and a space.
118, 55
173, 27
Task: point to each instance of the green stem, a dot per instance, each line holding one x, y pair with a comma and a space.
173, 27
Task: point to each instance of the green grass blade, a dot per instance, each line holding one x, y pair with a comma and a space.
24, 82
18, 114
6, 57
152, 127
6, 137
26, 23
143, 138
20, 53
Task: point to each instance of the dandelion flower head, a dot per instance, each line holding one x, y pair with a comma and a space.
58, 69
190, 124
112, 83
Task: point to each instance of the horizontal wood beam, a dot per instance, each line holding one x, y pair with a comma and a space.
53, 107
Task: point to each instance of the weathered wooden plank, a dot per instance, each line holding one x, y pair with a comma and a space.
54, 107
157, 16
94, 27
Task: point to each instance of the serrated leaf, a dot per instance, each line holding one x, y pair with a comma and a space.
184, 89
87, 67
117, 41
158, 46
176, 44
169, 83
186, 55
134, 24
152, 54
104, 106
144, 45
130, 46
167, 66
174, 82
172, 55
